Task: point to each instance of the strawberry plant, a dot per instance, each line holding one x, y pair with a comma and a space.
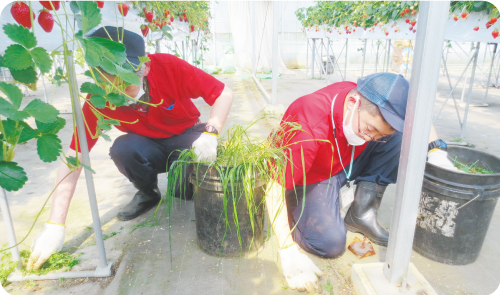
337, 15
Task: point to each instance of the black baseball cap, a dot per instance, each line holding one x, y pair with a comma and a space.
134, 43
389, 92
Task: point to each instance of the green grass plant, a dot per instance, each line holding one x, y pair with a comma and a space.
472, 169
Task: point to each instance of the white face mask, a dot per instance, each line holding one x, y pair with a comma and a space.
140, 93
350, 135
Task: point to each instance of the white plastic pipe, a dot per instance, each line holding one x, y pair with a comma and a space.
11, 234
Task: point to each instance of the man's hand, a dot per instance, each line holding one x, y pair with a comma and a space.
299, 270
50, 240
205, 147
440, 159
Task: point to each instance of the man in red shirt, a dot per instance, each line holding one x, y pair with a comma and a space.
350, 133
154, 134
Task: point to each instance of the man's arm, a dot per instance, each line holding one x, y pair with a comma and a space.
299, 270
51, 239
220, 109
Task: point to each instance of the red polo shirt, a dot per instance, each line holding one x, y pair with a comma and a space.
316, 141
172, 80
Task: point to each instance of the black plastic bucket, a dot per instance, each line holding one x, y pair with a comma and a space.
448, 235
215, 237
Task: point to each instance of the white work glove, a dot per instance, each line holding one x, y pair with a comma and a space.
299, 270
440, 159
205, 147
50, 240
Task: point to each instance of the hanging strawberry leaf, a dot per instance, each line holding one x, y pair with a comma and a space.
41, 111
48, 147
20, 34
12, 176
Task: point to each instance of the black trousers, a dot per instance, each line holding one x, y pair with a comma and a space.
319, 225
142, 158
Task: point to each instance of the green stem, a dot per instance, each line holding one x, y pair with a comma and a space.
4, 146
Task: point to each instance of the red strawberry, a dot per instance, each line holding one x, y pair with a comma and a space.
413, 12
413, 23
364, 15
488, 25
47, 5
476, 28
386, 33
494, 33
396, 30
455, 17
46, 20
100, 4
411, 28
123, 9
402, 13
172, 18
144, 30
493, 20
465, 15
180, 18
21, 13
144, 10
375, 24
407, 21
407, 10
149, 16
414, 31
192, 28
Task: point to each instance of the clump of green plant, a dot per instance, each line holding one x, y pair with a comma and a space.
6, 267
472, 169
60, 261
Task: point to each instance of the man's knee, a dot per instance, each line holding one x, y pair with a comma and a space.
328, 245
122, 148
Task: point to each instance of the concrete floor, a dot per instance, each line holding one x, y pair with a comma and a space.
145, 261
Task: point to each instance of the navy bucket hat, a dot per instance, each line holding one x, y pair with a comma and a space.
390, 93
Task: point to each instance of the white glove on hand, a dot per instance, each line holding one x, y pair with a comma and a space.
299, 270
50, 240
205, 147
440, 159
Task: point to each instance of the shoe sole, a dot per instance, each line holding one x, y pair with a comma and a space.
375, 241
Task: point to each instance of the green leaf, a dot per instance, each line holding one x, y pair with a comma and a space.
92, 88
42, 59
111, 122
14, 94
74, 7
11, 131
106, 137
116, 98
108, 67
91, 15
20, 34
28, 133
97, 76
17, 57
114, 51
12, 177
41, 111
98, 101
51, 128
48, 147
9, 111
1, 61
143, 59
168, 36
72, 160
128, 76
26, 76
394, 13
103, 125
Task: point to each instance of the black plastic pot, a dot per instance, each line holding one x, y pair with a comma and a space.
215, 237
448, 235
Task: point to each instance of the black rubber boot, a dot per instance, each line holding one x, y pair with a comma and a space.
146, 198
362, 215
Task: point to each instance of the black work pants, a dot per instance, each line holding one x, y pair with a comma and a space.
142, 158
320, 228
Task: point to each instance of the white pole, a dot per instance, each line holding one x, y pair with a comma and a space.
276, 15
254, 44
11, 234
421, 97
